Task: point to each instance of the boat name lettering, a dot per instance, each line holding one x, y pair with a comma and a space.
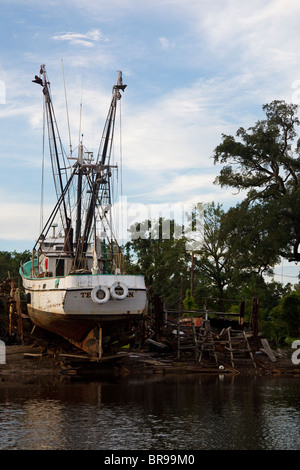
87, 295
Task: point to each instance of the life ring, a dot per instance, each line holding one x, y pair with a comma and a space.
115, 294
99, 300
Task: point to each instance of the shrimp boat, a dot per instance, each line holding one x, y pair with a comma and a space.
74, 282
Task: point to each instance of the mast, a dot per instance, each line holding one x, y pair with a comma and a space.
57, 157
78, 262
92, 177
99, 177
107, 137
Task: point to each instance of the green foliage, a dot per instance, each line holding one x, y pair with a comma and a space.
189, 301
10, 263
283, 321
263, 159
255, 244
163, 260
274, 328
291, 313
213, 261
262, 162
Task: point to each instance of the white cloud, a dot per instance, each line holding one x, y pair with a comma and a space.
78, 39
180, 130
261, 34
165, 43
19, 221
195, 187
186, 183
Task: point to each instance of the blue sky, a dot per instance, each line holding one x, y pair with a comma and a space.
194, 69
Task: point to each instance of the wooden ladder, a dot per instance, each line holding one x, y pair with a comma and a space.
238, 347
186, 336
206, 344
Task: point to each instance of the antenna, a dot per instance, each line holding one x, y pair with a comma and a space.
80, 137
80, 116
62, 64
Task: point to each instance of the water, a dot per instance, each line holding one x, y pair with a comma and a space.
166, 413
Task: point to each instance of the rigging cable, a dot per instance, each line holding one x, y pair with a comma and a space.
66, 107
121, 219
43, 170
121, 152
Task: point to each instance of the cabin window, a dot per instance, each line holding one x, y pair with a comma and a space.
60, 267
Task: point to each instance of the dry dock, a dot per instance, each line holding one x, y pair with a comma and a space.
183, 346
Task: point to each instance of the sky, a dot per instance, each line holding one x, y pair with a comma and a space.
194, 69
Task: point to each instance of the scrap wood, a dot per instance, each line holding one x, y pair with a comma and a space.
33, 354
285, 370
263, 365
280, 353
268, 350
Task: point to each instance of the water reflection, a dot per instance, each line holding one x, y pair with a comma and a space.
178, 412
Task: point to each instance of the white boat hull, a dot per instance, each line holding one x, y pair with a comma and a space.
65, 306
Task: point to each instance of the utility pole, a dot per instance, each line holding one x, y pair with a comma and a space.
192, 274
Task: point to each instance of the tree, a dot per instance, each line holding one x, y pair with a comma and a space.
214, 263
254, 243
283, 322
10, 263
163, 261
265, 162
189, 301
291, 313
235, 252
